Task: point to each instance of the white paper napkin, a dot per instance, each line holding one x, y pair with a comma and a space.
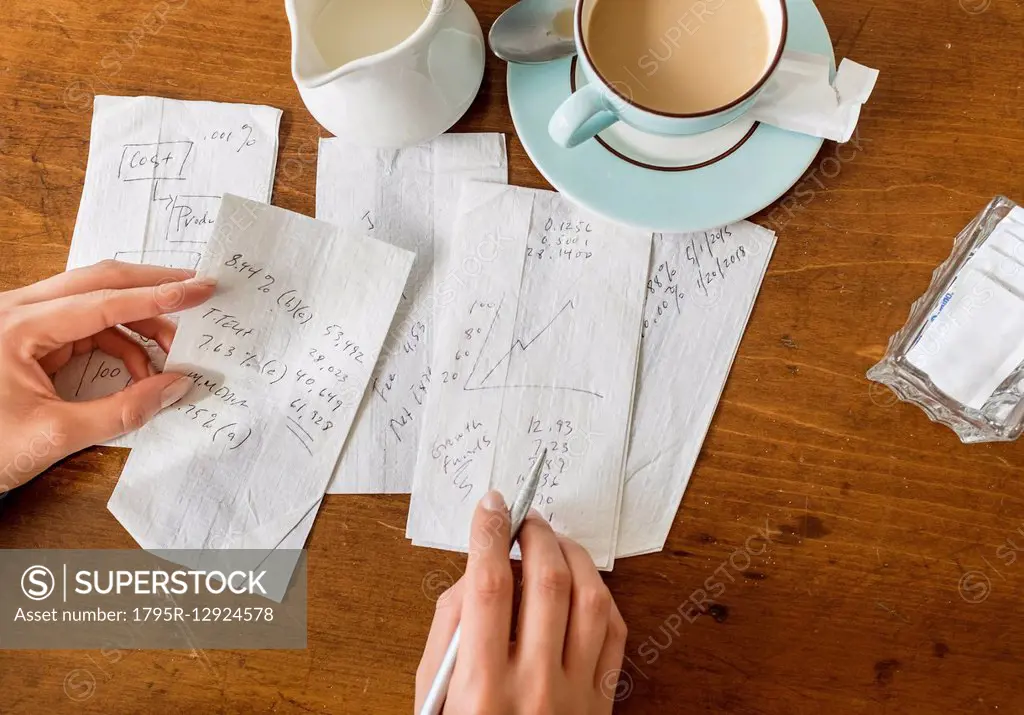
800, 98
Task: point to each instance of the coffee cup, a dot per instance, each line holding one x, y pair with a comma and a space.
670, 67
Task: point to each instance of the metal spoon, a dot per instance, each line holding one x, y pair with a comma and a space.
534, 31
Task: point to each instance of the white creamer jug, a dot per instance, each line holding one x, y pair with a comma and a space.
386, 73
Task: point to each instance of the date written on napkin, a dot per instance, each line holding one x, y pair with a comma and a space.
280, 358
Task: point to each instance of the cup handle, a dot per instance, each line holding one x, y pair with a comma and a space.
584, 114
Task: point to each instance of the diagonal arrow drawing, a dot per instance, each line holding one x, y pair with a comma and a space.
519, 346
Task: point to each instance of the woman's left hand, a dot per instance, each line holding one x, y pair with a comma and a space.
43, 325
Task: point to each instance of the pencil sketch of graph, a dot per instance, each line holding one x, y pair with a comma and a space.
522, 351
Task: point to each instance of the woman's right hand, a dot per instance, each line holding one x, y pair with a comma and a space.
569, 638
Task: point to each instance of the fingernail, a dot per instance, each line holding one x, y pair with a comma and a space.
535, 514
204, 282
493, 501
175, 391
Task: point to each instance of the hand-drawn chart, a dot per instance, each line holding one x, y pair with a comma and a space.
153, 185
483, 375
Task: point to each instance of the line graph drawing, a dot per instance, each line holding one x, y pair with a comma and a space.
520, 347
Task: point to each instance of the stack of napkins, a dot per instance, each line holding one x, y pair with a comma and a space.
503, 346
606, 346
432, 330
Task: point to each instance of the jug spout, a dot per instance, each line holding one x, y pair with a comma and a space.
309, 67
333, 38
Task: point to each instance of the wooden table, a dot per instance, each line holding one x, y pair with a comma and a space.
877, 516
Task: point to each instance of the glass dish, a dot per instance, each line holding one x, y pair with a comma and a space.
960, 356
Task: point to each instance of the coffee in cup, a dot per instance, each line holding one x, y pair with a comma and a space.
678, 56
672, 67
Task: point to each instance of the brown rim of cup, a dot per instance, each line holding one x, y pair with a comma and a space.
656, 167
708, 112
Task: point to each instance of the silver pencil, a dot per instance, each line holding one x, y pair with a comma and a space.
517, 515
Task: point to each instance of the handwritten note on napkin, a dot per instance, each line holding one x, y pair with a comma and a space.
701, 291
536, 341
408, 198
280, 358
157, 169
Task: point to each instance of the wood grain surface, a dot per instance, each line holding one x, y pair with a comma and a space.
889, 582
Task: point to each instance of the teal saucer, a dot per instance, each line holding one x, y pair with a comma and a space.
666, 184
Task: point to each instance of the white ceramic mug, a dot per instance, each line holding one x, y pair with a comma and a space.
601, 103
